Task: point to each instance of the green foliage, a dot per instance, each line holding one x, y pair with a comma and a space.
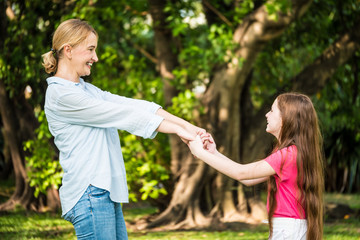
144, 162
338, 103
184, 104
126, 33
20, 67
338, 106
221, 43
27, 39
244, 8
43, 169
276, 7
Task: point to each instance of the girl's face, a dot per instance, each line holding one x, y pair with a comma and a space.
274, 121
84, 55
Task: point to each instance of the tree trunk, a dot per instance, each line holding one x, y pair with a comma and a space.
19, 125
22, 189
223, 101
186, 171
238, 129
7, 167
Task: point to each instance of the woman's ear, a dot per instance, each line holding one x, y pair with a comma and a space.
67, 51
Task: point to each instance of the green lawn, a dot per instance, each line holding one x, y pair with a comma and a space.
25, 225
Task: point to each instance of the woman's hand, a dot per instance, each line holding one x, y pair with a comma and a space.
185, 135
187, 128
196, 146
194, 129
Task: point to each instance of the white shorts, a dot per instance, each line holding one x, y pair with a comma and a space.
289, 229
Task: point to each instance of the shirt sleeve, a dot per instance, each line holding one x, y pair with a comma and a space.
136, 103
276, 160
76, 107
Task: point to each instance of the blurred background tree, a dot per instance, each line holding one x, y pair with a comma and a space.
218, 64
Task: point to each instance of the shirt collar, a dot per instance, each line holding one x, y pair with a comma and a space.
62, 81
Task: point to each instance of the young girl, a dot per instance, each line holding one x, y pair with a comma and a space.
84, 121
294, 170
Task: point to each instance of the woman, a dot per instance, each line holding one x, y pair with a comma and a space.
294, 170
84, 121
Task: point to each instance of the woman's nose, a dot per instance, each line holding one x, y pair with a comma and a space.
95, 58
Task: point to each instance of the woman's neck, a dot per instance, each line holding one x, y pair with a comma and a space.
67, 74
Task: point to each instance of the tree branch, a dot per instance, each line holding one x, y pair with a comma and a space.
258, 28
313, 77
145, 53
219, 14
165, 50
309, 81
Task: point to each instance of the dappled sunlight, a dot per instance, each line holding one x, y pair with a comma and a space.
165, 71
223, 114
216, 64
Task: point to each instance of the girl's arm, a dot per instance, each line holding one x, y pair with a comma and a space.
257, 170
252, 182
246, 182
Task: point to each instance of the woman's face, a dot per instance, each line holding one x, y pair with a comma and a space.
84, 55
274, 121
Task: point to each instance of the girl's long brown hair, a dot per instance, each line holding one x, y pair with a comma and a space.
300, 128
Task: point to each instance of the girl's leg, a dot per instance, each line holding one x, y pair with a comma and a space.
93, 216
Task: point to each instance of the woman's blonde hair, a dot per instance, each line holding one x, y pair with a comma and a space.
300, 127
70, 32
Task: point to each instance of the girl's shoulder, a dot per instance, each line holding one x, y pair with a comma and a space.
289, 149
283, 158
282, 154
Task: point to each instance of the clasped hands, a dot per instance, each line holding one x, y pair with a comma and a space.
203, 142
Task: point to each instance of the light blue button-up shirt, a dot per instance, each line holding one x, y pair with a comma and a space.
84, 121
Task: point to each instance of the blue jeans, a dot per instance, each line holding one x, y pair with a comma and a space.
96, 217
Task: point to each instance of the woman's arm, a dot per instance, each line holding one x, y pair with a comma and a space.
257, 170
167, 126
144, 105
179, 121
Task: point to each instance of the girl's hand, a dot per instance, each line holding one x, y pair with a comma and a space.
208, 142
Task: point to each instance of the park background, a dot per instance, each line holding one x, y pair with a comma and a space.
218, 64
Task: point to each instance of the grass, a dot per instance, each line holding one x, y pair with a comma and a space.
200, 235
347, 229
20, 224
352, 200
26, 225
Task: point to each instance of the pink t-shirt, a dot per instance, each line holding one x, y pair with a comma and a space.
285, 177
